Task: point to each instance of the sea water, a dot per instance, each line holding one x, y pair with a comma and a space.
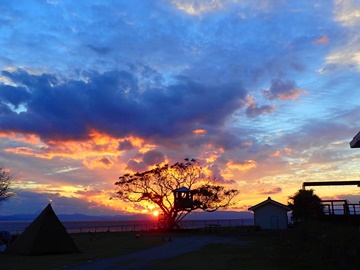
17, 227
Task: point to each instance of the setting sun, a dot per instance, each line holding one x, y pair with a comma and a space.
155, 213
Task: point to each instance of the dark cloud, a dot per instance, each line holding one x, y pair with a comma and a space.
254, 110
125, 145
216, 172
87, 192
112, 102
99, 50
319, 133
282, 90
153, 157
106, 161
143, 162
273, 190
227, 140
136, 166
13, 95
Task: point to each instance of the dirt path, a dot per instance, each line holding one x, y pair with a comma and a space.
139, 260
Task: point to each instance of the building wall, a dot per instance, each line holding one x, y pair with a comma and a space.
271, 217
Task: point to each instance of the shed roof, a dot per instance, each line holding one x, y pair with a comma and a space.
182, 189
269, 201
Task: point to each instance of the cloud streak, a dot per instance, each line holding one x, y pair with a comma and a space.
113, 103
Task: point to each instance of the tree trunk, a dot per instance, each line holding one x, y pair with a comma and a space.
170, 222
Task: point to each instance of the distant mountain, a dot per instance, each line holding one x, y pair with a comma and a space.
77, 217
20, 217
81, 217
220, 215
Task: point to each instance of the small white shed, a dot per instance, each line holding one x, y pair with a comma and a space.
270, 215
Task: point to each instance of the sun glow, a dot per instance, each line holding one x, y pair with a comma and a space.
155, 213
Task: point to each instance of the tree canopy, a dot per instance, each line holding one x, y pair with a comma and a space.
305, 205
5, 184
159, 185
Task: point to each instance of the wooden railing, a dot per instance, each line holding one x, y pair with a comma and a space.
340, 207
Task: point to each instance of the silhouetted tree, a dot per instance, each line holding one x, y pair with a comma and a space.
305, 205
5, 184
158, 186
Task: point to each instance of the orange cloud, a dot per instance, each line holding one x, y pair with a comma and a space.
243, 166
283, 90
280, 153
250, 100
322, 40
5, 170
28, 151
100, 162
99, 147
199, 132
135, 141
276, 154
254, 109
247, 144
213, 156
292, 95
100, 138
26, 138
273, 190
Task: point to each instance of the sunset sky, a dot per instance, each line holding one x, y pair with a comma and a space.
263, 93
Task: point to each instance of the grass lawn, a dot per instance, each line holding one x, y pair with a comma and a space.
93, 246
311, 246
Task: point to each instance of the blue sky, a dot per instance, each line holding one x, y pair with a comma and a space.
263, 93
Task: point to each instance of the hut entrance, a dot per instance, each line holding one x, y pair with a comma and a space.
183, 199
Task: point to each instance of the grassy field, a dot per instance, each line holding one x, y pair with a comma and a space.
93, 246
310, 246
